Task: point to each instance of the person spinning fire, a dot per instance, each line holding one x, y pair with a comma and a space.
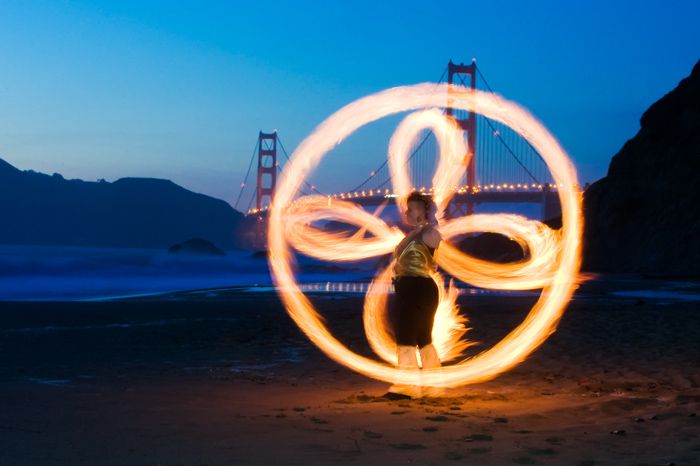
416, 293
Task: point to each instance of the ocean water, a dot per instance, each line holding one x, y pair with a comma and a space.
78, 273
43, 273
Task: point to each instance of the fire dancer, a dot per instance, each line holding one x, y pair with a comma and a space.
416, 293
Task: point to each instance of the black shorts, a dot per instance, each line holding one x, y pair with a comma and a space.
415, 303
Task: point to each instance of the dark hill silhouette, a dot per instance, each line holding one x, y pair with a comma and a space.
42, 209
644, 216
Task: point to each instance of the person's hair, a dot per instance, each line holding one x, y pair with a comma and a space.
428, 203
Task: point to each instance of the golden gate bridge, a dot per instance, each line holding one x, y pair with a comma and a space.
503, 168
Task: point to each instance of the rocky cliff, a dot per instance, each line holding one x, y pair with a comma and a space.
644, 216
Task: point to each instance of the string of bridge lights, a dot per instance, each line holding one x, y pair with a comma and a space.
387, 193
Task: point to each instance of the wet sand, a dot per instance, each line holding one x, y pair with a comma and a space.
224, 377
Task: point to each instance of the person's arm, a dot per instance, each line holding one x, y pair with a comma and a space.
431, 237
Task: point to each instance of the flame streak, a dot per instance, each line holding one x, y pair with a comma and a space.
553, 258
448, 328
453, 156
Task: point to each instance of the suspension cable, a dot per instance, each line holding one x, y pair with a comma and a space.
310, 186
478, 70
245, 181
442, 76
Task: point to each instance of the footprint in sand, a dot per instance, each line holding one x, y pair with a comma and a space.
524, 460
478, 450
588, 463
408, 446
478, 438
437, 418
542, 451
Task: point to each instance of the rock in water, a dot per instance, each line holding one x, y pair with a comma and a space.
196, 246
493, 247
644, 216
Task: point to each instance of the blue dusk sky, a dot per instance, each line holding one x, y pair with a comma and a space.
179, 90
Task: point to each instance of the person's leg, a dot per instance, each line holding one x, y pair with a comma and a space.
405, 338
405, 329
428, 307
407, 357
428, 353
429, 357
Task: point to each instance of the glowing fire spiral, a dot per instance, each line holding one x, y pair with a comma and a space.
552, 264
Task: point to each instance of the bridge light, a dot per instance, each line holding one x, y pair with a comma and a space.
363, 194
372, 173
242, 185
496, 133
511, 187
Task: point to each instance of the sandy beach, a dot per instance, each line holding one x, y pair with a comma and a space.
224, 377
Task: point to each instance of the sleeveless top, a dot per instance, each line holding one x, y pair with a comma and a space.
416, 258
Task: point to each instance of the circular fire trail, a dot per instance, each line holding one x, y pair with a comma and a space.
552, 264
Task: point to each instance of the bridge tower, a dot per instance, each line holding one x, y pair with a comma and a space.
467, 124
267, 165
